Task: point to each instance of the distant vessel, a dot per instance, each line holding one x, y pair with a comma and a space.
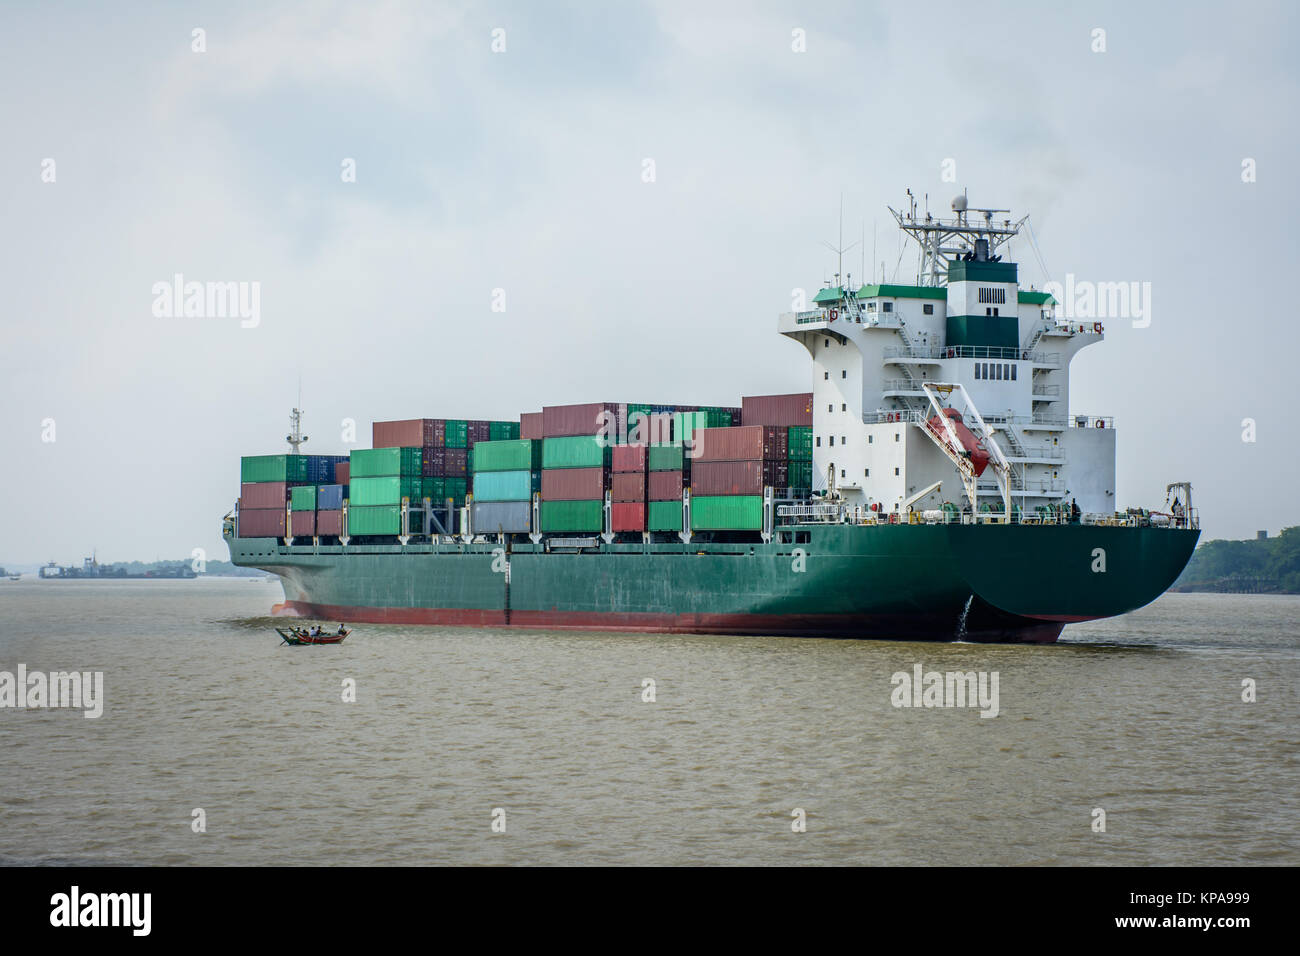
92, 569
926, 518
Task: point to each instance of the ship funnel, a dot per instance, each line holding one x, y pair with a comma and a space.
981, 250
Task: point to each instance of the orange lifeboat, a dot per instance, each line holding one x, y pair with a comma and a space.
972, 447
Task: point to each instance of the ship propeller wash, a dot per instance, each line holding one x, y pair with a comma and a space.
932, 484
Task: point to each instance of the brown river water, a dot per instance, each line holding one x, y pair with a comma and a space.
1141, 717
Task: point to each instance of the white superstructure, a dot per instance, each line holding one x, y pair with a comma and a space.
874, 349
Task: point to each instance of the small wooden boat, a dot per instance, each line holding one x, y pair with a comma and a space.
299, 636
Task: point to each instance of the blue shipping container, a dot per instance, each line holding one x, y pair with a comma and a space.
506, 485
320, 468
329, 497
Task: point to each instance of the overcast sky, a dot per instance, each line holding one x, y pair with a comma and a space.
522, 170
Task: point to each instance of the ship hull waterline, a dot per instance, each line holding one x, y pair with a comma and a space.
984, 583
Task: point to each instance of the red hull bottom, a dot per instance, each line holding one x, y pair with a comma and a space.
901, 627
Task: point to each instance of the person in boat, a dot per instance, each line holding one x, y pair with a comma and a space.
342, 629
315, 631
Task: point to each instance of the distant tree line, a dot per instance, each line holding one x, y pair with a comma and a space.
214, 568
1271, 565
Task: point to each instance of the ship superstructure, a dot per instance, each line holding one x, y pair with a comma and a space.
876, 347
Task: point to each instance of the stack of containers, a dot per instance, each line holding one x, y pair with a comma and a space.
730, 470
302, 511
800, 460
575, 466
379, 478
329, 504
506, 473
628, 488
265, 483
794, 413
667, 470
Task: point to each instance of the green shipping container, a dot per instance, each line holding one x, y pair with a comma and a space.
506, 485
800, 475
573, 515
384, 519
666, 458
389, 490
273, 468
801, 443
457, 433
664, 516
727, 513
520, 454
302, 498
685, 423
443, 488
578, 451
503, 431
383, 462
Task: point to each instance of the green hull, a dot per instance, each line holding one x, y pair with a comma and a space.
911, 582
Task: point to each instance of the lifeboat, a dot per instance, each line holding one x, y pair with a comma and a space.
971, 447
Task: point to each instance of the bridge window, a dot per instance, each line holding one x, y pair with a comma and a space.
886, 307
928, 309
871, 307
977, 369
1013, 373
802, 537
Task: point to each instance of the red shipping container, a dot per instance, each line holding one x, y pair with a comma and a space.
342, 472
263, 494
407, 433
530, 425
329, 522
627, 516
665, 486
302, 523
261, 523
627, 486
629, 458
573, 484
559, 421
783, 410
746, 443
480, 431
737, 477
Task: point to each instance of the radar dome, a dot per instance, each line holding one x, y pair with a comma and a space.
959, 204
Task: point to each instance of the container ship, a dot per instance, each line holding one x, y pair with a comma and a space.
932, 485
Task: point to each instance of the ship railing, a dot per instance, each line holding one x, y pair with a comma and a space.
899, 385
880, 416
1046, 390
914, 351
1092, 421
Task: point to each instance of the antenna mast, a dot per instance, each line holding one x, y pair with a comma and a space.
943, 241
841, 248
295, 436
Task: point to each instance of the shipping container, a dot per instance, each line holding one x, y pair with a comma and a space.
665, 486
519, 454
320, 468
303, 524
511, 517
342, 472
446, 462
746, 443
645, 426
783, 410
261, 523
385, 491
383, 462
303, 498
626, 458
627, 486
573, 484
737, 477
530, 425
290, 468
457, 433
478, 431
506, 485
575, 452
666, 458
329, 523
383, 519
627, 516
330, 497
408, 433
726, 513
573, 516
564, 420
504, 431
800, 442
664, 515
263, 494
800, 475
440, 489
